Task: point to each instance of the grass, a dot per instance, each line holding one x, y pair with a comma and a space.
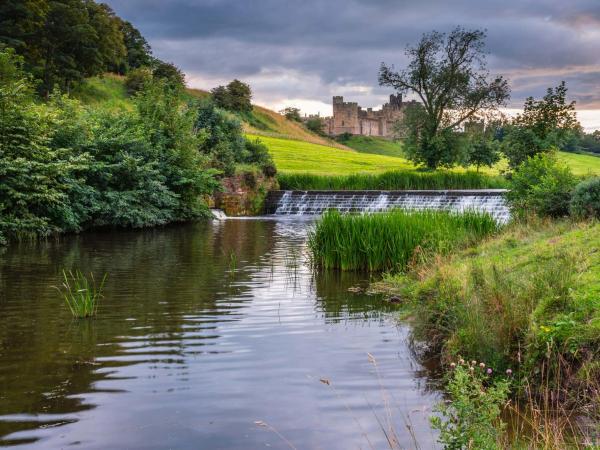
81, 295
107, 91
527, 300
581, 165
395, 180
392, 240
372, 144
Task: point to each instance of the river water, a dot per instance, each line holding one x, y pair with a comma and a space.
211, 335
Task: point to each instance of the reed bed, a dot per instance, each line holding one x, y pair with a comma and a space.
392, 240
81, 295
389, 181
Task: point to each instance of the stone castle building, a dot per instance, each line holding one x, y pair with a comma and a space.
348, 117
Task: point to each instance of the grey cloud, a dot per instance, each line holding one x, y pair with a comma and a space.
338, 44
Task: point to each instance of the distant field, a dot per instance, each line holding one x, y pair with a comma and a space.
581, 164
298, 156
374, 145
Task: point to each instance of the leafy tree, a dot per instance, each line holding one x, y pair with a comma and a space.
544, 124
449, 75
110, 47
20, 20
482, 151
316, 125
224, 142
291, 113
236, 96
139, 53
170, 73
33, 176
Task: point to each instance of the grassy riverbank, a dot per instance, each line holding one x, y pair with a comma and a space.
527, 300
392, 240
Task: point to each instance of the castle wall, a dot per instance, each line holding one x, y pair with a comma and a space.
348, 117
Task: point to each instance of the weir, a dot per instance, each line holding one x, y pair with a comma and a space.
491, 201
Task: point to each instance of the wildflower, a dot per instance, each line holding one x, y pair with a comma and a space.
452, 365
489, 371
473, 362
508, 372
461, 361
471, 368
482, 365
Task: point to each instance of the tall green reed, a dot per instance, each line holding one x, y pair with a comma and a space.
393, 180
81, 295
392, 240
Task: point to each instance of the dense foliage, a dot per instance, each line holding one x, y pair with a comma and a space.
586, 199
65, 168
544, 124
236, 96
541, 186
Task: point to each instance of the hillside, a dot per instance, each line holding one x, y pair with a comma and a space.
296, 149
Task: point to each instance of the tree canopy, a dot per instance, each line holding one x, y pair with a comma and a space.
448, 74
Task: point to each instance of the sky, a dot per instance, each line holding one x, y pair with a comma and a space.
302, 52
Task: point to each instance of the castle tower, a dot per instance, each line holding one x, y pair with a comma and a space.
345, 116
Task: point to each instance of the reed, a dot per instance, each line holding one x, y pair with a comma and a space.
393, 180
392, 240
81, 295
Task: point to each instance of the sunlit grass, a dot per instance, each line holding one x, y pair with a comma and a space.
81, 295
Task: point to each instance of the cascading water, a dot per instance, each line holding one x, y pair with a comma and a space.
491, 201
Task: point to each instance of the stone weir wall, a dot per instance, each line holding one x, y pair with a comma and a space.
491, 201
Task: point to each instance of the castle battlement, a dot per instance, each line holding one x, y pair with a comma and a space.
348, 117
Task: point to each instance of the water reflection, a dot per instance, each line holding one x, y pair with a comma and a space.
205, 329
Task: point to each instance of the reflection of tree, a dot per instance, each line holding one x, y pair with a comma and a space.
163, 283
339, 303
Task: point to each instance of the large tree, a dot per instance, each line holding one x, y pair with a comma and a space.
448, 73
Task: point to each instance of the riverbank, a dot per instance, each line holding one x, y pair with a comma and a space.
526, 301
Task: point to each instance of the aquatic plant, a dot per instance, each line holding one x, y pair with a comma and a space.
392, 180
80, 294
392, 240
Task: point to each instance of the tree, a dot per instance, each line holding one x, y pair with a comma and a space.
139, 53
168, 72
449, 75
316, 125
291, 113
482, 151
544, 124
236, 96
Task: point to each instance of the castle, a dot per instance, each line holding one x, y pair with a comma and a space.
348, 117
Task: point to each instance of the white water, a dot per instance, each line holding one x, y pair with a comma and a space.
317, 202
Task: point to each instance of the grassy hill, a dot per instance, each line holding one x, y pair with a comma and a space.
294, 148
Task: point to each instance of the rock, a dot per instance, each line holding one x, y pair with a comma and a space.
394, 299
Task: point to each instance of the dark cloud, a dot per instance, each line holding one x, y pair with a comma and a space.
311, 49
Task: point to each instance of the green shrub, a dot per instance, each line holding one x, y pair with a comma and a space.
138, 79
586, 199
541, 186
471, 418
258, 153
392, 240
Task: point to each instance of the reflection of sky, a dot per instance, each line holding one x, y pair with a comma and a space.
257, 355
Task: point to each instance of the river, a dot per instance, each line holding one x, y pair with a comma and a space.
213, 335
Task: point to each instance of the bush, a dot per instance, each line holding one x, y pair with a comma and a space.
236, 96
316, 125
541, 186
586, 199
258, 153
138, 79
471, 419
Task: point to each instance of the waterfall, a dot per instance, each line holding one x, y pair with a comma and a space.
491, 201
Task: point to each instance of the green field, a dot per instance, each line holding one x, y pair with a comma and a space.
293, 156
301, 156
372, 144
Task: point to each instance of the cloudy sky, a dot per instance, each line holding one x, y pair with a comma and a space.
302, 52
